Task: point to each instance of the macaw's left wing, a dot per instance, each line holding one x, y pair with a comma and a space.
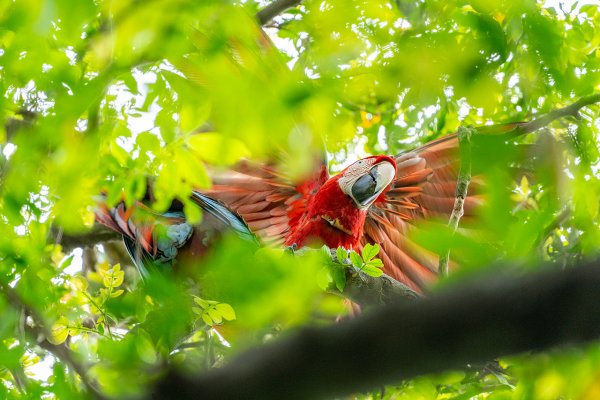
424, 187
162, 240
270, 203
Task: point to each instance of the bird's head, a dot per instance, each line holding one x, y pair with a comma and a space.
367, 179
337, 212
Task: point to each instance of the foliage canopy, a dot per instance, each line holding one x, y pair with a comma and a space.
100, 94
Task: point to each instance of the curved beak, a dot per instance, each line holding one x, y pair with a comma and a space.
369, 186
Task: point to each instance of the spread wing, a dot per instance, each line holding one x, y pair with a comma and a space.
268, 201
424, 187
155, 240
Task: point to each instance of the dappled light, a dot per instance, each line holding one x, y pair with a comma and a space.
206, 132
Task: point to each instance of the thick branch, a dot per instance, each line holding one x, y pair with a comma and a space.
274, 9
98, 234
470, 323
367, 290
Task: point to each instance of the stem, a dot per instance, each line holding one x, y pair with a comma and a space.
88, 330
462, 187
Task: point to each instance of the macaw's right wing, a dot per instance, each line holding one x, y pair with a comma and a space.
424, 189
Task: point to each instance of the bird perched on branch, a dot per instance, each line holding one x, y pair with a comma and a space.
376, 199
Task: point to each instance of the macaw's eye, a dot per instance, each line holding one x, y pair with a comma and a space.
364, 188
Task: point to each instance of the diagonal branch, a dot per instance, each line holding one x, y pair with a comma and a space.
470, 323
571, 110
568, 111
98, 234
274, 9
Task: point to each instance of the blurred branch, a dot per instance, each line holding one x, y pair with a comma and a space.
274, 9
568, 111
13, 125
571, 110
98, 234
555, 223
116, 252
462, 186
472, 322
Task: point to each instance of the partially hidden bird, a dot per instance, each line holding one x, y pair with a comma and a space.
377, 199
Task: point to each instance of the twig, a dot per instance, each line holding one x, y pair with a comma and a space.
469, 323
275, 8
462, 187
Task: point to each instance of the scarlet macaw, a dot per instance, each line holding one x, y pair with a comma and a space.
375, 200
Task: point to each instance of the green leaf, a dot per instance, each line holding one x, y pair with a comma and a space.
59, 331
226, 311
215, 315
148, 142
324, 277
66, 262
372, 271
341, 254
201, 302
356, 259
192, 212
207, 319
370, 251
376, 262
113, 277
197, 310
217, 149
339, 277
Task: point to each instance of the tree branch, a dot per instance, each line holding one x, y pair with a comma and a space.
274, 9
368, 290
98, 234
462, 187
470, 323
571, 110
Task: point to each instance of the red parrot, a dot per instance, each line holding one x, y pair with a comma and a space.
377, 199
374, 200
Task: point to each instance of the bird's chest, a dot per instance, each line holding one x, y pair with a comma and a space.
328, 230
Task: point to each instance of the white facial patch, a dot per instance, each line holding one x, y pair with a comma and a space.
354, 172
